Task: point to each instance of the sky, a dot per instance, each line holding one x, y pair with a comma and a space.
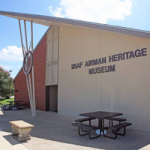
126, 13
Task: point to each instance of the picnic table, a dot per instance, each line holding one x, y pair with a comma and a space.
101, 116
14, 104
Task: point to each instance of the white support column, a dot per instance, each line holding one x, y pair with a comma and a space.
23, 52
26, 35
34, 105
30, 83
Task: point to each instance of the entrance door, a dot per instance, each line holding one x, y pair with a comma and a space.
51, 98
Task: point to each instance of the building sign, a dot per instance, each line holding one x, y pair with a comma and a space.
112, 58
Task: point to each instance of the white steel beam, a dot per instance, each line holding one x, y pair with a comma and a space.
23, 52
30, 85
34, 105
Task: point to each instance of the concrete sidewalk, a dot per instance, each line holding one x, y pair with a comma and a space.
7, 142
54, 132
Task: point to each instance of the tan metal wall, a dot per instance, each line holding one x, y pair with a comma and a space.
126, 90
52, 56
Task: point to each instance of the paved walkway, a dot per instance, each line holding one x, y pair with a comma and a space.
7, 142
55, 132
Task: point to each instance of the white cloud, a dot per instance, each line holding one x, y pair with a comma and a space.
11, 53
6, 67
93, 10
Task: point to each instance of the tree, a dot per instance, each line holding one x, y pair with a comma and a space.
6, 83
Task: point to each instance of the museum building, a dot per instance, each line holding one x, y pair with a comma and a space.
81, 67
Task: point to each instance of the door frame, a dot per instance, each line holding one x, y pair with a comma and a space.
47, 101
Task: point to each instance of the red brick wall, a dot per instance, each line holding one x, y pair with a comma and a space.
39, 77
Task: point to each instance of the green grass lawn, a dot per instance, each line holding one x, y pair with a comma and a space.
4, 101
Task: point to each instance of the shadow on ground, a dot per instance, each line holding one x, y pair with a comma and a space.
9, 139
52, 128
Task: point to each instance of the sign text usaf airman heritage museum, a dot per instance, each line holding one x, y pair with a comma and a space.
113, 58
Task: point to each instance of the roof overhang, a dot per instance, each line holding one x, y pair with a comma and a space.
48, 20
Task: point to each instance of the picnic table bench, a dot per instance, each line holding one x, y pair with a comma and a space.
22, 105
89, 129
116, 128
120, 120
84, 119
22, 129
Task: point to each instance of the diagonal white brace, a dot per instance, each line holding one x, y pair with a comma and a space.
30, 83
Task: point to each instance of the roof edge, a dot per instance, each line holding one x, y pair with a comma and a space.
80, 23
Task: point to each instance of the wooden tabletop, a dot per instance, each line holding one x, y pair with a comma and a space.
21, 124
101, 114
